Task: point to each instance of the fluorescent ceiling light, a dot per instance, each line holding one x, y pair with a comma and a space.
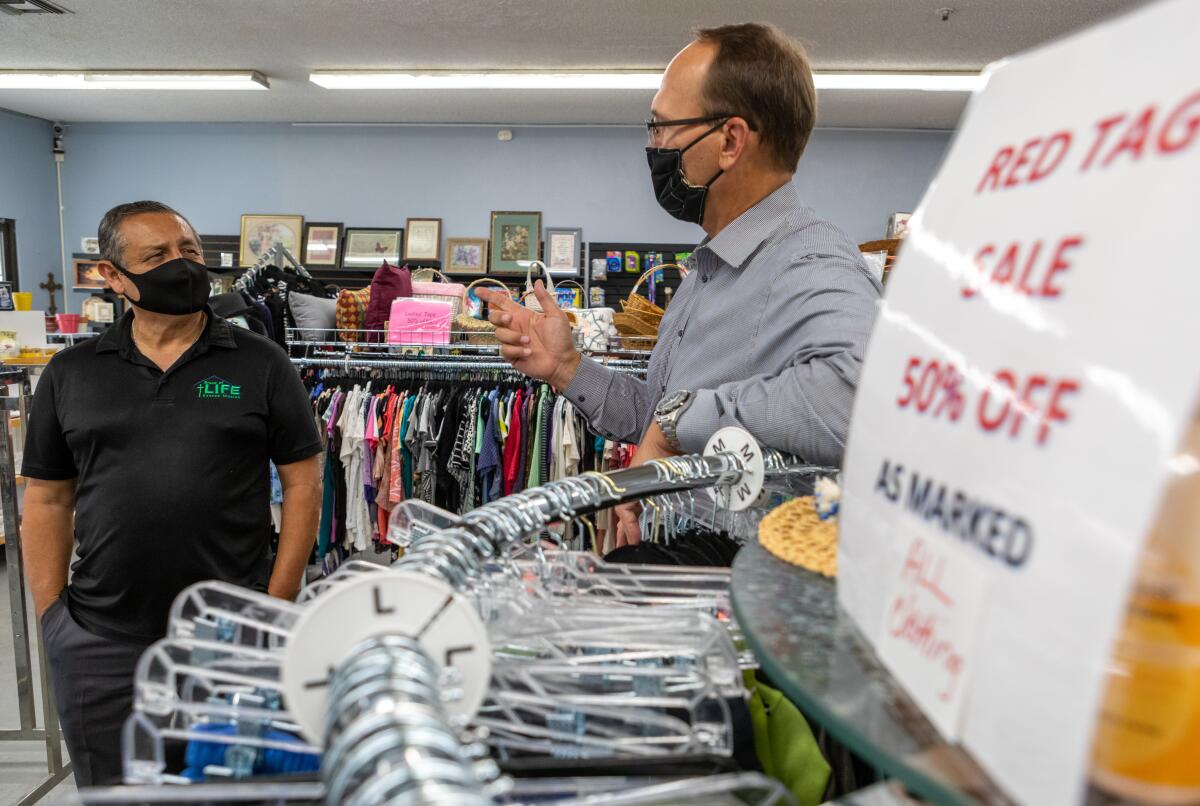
365, 80
619, 80
132, 80
926, 82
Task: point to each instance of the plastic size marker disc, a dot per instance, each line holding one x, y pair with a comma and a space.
393, 603
745, 491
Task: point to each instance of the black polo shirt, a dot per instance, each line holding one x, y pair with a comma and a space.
173, 485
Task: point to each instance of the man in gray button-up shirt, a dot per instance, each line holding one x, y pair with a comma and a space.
769, 329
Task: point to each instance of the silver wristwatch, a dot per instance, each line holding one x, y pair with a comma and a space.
667, 414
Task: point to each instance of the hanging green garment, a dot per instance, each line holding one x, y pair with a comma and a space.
406, 465
534, 479
785, 744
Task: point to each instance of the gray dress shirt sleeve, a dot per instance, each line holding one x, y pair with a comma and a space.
617, 405
827, 305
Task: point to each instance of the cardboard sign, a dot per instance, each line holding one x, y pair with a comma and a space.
929, 629
1028, 380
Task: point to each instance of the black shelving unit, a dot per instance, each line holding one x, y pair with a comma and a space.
618, 286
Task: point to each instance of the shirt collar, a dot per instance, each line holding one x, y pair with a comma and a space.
119, 338
738, 241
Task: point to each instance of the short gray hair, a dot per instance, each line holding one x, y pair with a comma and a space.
112, 245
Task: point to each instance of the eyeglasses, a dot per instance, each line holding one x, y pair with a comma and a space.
654, 127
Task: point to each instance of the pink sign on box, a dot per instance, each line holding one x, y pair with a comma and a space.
419, 321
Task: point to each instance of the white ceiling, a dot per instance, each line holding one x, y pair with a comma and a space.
286, 39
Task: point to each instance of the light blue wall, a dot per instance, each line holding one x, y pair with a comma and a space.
594, 178
28, 195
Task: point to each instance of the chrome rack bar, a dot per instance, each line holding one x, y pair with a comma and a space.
456, 555
349, 362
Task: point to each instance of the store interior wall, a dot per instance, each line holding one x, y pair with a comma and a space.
376, 176
29, 196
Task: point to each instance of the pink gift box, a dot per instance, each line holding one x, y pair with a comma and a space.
419, 321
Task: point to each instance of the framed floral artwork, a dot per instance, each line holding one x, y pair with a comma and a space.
516, 237
466, 255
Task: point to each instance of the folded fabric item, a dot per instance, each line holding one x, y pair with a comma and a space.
314, 317
351, 317
388, 284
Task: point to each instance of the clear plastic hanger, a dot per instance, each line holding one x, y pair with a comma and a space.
572, 675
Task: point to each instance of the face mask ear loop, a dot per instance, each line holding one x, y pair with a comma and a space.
689, 145
706, 134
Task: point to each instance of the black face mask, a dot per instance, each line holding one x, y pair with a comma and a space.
675, 194
176, 288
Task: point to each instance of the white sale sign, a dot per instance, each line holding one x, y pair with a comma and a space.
1029, 378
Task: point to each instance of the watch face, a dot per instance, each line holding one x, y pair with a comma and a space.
671, 402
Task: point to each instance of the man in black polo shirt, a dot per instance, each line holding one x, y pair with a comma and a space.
148, 448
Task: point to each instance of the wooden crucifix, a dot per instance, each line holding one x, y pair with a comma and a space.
51, 287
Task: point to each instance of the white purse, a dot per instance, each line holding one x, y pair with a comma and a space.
596, 328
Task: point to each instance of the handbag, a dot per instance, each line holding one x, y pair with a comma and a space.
596, 329
528, 299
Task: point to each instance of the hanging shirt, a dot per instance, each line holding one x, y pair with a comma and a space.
512, 445
396, 491
490, 468
537, 471
406, 466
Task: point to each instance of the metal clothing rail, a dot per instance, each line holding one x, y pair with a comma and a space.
384, 726
457, 554
440, 363
28, 731
314, 341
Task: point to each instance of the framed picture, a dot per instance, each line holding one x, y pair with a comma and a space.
515, 237
87, 274
261, 232
367, 248
897, 226
98, 309
90, 246
6, 298
322, 244
562, 251
466, 255
423, 239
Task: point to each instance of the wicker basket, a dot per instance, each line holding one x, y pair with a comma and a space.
426, 276
640, 318
477, 331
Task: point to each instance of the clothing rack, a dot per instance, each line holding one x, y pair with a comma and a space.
349, 361
385, 708
324, 343
491, 530
28, 731
277, 256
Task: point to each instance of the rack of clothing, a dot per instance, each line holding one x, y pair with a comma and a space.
453, 432
369, 677
258, 300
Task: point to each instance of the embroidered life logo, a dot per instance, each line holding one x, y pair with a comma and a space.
213, 387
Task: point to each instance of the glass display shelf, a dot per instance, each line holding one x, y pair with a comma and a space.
812, 651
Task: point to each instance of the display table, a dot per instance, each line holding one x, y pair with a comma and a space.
816, 656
